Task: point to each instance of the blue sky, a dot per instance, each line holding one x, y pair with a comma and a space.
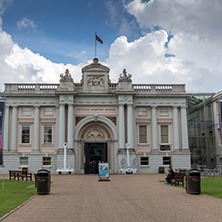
65, 29
158, 42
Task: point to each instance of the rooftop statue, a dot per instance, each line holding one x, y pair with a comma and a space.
66, 77
124, 77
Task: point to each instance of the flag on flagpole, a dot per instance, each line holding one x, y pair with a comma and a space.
99, 39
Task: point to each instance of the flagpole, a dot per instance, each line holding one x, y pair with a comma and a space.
95, 44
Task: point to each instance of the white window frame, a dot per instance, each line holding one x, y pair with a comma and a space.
24, 164
45, 134
26, 111
44, 162
169, 160
48, 111
25, 134
142, 111
164, 111
168, 136
143, 135
144, 165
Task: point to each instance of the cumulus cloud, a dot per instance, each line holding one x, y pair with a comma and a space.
196, 41
196, 44
26, 23
145, 59
22, 65
192, 16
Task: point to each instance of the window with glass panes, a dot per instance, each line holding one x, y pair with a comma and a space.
25, 134
24, 161
144, 161
166, 160
26, 111
46, 161
142, 134
164, 134
48, 111
142, 112
163, 111
48, 134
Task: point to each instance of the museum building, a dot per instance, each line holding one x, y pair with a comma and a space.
97, 118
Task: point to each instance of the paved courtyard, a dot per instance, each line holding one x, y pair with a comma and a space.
128, 198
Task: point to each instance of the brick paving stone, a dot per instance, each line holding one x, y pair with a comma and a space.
125, 198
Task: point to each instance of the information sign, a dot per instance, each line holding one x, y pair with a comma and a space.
104, 171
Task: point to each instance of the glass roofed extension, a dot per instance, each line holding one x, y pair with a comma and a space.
201, 130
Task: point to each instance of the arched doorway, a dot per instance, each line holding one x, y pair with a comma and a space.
95, 146
94, 152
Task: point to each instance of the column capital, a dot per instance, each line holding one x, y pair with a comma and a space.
14, 105
130, 104
36, 105
154, 106
183, 106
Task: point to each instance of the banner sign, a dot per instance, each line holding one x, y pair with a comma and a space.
220, 117
2, 104
103, 170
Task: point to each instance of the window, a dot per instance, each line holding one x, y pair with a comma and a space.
46, 161
48, 134
166, 160
25, 134
48, 111
142, 134
209, 112
164, 134
24, 161
163, 111
144, 161
26, 111
142, 112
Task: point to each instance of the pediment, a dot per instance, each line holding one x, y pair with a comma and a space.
95, 77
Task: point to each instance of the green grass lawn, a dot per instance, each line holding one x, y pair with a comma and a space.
211, 186
14, 194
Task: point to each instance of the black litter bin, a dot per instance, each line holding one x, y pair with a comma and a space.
43, 181
193, 182
161, 169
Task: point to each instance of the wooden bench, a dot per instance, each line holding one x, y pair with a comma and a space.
179, 178
19, 174
13, 174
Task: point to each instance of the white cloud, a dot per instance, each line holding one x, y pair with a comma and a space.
22, 65
192, 16
26, 23
145, 60
196, 41
196, 44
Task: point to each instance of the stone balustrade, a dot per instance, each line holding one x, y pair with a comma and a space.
139, 88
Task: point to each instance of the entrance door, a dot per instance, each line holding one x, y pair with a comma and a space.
94, 152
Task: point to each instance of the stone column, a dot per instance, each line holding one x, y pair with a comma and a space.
130, 125
6, 128
57, 127
14, 128
154, 129
36, 129
61, 125
175, 128
70, 125
121, 126
184, 130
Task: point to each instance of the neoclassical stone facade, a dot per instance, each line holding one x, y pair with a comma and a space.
96, 118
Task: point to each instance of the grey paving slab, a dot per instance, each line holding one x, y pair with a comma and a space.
125, 198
